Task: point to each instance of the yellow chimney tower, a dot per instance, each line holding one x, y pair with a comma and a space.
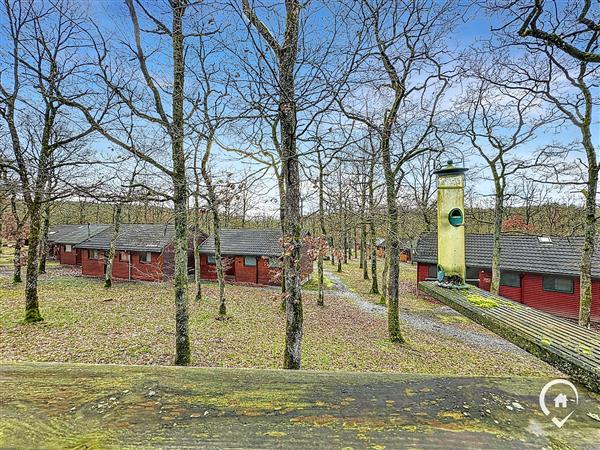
451, 221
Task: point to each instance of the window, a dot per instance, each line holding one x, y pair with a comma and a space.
123, 256
93, 254
544, 239
558, 284
250, 261
68, 248
511, 279
146, 257
210, 259
432, 271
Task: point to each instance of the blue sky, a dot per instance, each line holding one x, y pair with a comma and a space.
112, 17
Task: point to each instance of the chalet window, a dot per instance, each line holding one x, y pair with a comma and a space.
558, 284
123, 256
146, 257
432, 271
250, 261
93, 254
210, 259
68, 248
511, 279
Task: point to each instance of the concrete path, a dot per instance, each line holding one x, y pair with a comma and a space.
427, 323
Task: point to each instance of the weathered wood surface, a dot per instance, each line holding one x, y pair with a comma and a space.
572, 349
98, 406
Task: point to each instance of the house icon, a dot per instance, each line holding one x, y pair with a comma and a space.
560, 401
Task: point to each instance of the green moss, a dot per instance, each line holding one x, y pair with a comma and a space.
313, 283
584, 349
481, 301
545, 341
33, 316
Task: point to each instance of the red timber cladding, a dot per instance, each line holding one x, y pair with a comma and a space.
532, 293
72, 258
422, 270
121, 268
245, 274
151, 271
259, 274
92, 267
139, 271
207, 271
240, 272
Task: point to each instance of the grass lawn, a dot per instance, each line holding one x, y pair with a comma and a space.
7, 260
352, 276
6, 257
133, 323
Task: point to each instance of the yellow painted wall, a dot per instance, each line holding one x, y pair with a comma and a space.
451, 239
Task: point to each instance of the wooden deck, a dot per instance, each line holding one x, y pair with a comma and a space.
46, 405
570, 348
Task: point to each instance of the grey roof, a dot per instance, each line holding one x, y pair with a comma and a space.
246, 241
133, 237
519, 253
74, 234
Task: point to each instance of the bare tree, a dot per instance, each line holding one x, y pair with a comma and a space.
286, 54
144, 101
560, 64
39, 60
498, 123
403, 59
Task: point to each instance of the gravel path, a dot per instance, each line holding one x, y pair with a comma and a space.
428, 324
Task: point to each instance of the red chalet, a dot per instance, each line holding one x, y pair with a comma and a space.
542, 272
143, 252
250, 256
62, 240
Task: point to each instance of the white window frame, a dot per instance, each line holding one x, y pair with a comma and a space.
68, 248
124, 256
93, 253
144, 255
254, 259
210, 259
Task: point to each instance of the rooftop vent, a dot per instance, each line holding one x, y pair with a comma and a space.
545, 240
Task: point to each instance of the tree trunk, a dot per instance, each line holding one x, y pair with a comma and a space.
218, 257
32, 310
372, 236
214, 208
499, 213
585, 277
321, 299
197, 267
44, 241
17, 261
291, 171
196, 239
384, 278
281, 190
180, 191
363, 250
112, 248
392, 244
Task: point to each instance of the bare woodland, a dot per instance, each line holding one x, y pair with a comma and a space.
326, 117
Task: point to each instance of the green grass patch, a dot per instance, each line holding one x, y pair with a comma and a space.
133, 323
481, 301
313, 283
